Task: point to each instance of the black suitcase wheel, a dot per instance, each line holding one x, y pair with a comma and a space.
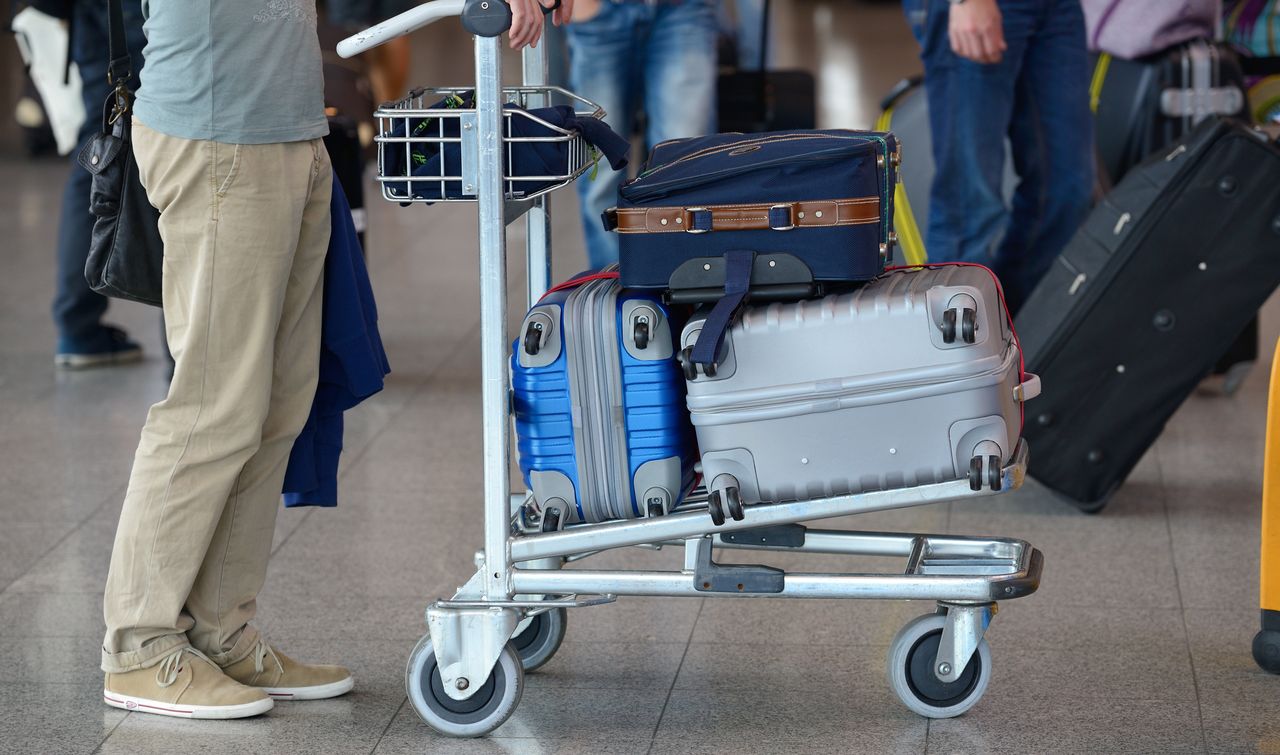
995, 476
734, 503
709, 370
686, 363
533, 339
969, 326
640, 334
715, 508
975, 473
949, 326
655, 509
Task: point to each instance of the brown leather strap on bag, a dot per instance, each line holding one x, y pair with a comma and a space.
779, 216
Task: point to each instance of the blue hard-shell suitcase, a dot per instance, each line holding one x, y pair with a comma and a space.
599, 405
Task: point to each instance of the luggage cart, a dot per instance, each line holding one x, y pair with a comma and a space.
465, 677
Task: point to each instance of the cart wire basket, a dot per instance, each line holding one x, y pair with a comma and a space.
435, 121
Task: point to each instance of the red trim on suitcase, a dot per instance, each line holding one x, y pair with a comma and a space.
572, 282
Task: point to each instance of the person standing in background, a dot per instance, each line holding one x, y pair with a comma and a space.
83, 340
654, 56
997, 68
388, 63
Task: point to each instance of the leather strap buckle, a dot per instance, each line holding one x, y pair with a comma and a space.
689, 220
791, 217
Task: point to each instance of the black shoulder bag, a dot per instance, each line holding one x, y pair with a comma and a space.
125, 251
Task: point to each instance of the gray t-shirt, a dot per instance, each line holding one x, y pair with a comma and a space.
233, 71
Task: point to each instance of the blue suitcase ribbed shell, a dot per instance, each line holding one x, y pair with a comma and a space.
636, 405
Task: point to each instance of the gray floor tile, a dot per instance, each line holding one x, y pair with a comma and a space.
51, 614
1004, 723
805, 622
821, 717
54, 718
609, 665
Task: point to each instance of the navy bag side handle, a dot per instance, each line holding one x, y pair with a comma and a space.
737, 281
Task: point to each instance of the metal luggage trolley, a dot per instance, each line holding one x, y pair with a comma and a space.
465, 677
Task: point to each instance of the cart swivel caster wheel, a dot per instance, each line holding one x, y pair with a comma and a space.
540, 638
476, 716
911, 671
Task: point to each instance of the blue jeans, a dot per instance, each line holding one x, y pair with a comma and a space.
77, 310
657, 56
1038, 96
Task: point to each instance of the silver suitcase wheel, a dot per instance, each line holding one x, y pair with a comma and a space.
538, 640
911, 673
476, 716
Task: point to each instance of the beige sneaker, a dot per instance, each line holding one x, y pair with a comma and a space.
283, 678
186, 684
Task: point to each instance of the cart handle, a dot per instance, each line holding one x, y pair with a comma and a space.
397, 26
487, 18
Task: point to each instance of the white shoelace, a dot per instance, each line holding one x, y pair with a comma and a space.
167, 673
261, 652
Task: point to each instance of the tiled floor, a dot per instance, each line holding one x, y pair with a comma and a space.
1138, 640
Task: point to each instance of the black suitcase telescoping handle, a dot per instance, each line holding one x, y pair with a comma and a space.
489, 18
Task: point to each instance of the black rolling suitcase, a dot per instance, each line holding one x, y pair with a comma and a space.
1165, 272
754, 101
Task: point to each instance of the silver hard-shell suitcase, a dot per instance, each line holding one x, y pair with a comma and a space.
912, 379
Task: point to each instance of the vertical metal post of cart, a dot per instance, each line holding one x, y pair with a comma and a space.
538, 220
1266, 643
491, 194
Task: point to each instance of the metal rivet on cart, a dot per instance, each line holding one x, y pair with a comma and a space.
1008, 590
462, 683
468, 188
706, 266
1120, 368
1203, 266
484, 6
944, 668
467, 126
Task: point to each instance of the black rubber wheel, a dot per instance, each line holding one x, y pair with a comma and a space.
969, 326
709, 370
715, 508
949, 326
541, 638
640, 333
532, 340
655, 509
1266, 650
913, 657
686, 363
551, 520
975, 473
995, 475
733, 502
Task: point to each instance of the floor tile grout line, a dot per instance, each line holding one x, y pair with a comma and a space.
117, 491
390, 721
928, 729
1177, 583
123, 718
391, 420
702, 602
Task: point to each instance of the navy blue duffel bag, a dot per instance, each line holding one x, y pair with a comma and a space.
732, 217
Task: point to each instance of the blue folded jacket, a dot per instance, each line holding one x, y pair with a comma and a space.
352, 364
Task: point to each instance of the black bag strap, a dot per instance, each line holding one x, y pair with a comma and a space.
120, 69
737, 281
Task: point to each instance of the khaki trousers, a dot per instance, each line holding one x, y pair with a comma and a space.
245, 229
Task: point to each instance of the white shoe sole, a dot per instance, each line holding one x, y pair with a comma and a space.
89, 361
315, 692
178, 710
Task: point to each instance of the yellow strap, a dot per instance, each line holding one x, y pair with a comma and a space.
1269, 580
1099, 76
904, 222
